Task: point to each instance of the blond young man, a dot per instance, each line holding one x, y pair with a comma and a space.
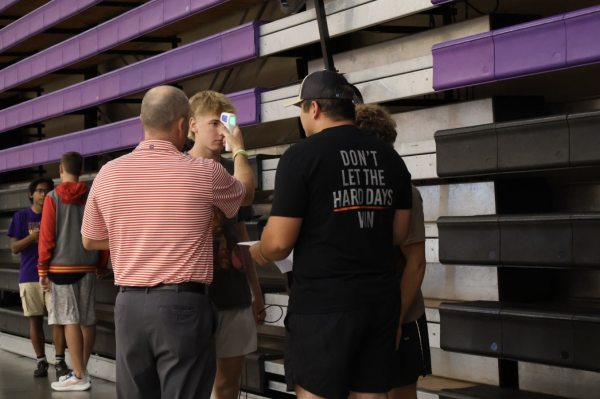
413, 356
235, 289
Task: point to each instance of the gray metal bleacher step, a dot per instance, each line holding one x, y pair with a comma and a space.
559, 333
9, 260
13, 321
254, 376
106, 291
9, 279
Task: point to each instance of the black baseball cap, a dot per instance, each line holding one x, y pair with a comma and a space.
325, 85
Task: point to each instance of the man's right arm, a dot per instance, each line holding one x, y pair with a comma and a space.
19, 243
94, 232
47, 236
243, 173
16, 245
404, 203
242, 170
401, 226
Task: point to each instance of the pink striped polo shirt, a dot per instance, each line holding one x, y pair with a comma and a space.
155, 207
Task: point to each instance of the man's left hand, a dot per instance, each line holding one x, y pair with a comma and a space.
258, 309
101, 273
45, 283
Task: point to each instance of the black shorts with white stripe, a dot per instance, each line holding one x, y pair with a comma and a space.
413, 358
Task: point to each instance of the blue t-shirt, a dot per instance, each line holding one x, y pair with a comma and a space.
23, 223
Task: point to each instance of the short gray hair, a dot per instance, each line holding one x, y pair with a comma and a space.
162, 107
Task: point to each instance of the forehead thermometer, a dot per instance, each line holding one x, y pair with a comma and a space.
230, 121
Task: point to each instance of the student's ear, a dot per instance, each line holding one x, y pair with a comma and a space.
193, 124
315, 110
60, 169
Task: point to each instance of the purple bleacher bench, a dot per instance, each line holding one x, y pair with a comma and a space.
223, 49
438, 2
112, 137
41, 19
548, 44
135, 23
5, 4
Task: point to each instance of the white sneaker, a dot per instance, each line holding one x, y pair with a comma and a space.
87, 375
72, 383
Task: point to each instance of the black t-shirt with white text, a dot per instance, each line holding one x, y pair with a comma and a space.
346, 186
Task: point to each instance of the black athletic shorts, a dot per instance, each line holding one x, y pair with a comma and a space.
332, 354
413, 359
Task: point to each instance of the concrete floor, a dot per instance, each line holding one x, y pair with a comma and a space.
17, 382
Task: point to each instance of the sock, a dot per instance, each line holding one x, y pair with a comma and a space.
41, 358
59, 358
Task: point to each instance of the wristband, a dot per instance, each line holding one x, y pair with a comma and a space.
244, 153
261, 254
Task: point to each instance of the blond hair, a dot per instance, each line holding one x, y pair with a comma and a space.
377, 121
209, 103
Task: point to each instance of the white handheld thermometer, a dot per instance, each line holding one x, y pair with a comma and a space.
230, 121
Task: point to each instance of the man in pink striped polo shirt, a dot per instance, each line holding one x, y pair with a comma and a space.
153, 208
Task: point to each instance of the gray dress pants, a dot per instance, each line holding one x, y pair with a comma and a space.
165, 345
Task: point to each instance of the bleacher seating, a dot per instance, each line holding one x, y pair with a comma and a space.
226, 48
561, 333
108, 138
482, 139
42, 18
562, 41
142, 20
543, 143
546, 240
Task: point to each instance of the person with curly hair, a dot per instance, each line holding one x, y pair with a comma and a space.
413, 357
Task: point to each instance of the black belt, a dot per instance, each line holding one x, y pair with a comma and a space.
187, 287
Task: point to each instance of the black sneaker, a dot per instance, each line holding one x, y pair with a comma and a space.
61, 369
42, 369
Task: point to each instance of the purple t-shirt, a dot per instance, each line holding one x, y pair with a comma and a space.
22, 224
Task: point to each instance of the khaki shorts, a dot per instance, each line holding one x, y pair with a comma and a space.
236, 333
33, 299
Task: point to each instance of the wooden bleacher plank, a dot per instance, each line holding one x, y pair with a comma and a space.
459, 366
343, 17
435, 384
463, 283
